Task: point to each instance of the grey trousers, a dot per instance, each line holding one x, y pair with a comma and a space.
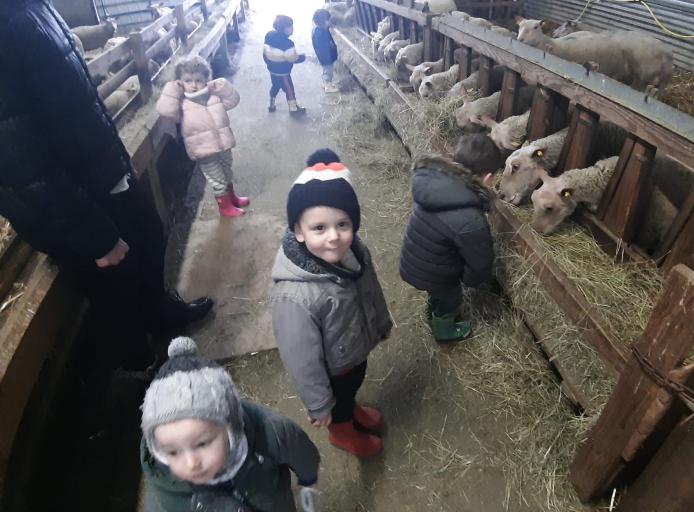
217, 170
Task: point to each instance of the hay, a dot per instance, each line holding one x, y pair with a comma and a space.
680, 91
6, 233
436, 122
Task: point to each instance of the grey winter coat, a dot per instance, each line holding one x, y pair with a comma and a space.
326, 319
447, 238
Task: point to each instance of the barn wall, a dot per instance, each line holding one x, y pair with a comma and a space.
677, 15
77, 12
129, 14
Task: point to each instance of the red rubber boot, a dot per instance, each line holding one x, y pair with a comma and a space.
368, 417
226, 208
237, 201
346, 437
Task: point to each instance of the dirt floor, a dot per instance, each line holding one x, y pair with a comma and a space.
480, 426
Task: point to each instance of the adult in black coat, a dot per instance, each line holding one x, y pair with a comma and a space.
447, 240
64, 183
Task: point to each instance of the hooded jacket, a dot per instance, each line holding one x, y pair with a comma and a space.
447, 238
205, 126
61, 154
326, 320
279, 53
262, 484
324, 45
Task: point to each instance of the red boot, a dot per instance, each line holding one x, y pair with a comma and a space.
226, 208
346, 437
368, 417
237, 201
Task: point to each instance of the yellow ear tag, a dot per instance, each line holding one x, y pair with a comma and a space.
566, 193
540, 153
515, 144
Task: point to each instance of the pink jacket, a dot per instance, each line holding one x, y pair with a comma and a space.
205, 128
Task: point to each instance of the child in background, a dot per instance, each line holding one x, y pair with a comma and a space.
447, 239
280, 55
201, 105
328, 308
325, 47
205, 449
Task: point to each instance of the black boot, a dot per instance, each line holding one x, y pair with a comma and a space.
175, 313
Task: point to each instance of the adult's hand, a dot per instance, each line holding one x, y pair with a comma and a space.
114, 256
322, 422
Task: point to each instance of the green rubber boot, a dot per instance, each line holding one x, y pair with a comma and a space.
446, 329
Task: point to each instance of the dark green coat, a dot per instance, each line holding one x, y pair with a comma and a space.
263, 484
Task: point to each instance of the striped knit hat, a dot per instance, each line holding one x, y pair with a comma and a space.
189, 386
323, 185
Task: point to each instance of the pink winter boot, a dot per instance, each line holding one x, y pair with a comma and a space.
237, 200
226, 207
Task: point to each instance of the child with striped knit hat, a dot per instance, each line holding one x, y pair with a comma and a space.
328, 307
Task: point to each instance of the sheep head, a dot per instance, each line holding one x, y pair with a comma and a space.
524, 170
552, 203
531, 32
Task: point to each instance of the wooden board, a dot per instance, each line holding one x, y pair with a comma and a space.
510, 88
638, 403
576, 149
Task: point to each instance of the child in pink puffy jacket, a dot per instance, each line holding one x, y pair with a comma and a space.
201, 105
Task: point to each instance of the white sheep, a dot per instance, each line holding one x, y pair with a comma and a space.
119, 63
558, 197
95, 36
509, 133
391, 51
407, 58
441, 6
472, 110
384, 28
420, 71
438, 84
387, 39
119, 98
527, 166
649, 61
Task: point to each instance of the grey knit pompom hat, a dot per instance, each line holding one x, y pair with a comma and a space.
189, 386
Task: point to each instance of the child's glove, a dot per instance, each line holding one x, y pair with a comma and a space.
301, 58
307, 496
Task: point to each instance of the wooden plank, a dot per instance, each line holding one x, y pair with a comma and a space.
400, 10
666, 485
510, 88
576, 149
150, 30
181, 25
428, 38
638, 403
141, 62
683, 215
607, 240
113, 83
665, 128
619, 208
547, 114
683, 249
464, 62
484, 80
13, 259
102, 64
562, 290
414, 32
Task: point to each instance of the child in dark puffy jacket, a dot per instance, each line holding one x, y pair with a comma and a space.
203, 448
325, 47
447, 239
280, 55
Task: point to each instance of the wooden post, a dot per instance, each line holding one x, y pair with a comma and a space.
464, 62
666, 484
360, 16
205, 11
373, 20
678, 245
574, 153
619, 207
401, 27
414, 36
484, 78
428, 37
181, 26
510, 89
141, 65
547, 114
638, 405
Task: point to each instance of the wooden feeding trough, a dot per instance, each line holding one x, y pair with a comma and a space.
40, 315
632, 426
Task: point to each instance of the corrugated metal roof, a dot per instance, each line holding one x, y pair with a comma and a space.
130, 14
677, 15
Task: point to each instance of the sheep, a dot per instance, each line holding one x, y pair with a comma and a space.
391, 51
420, 71
471, 109
387, 39
580, 47
558, 197
112, 43
528, 165
384, 28
502, 31
407, 58
649, 61
437, 84
568, 27
165, 53
510, 133
95, 36
441, 6
119, 98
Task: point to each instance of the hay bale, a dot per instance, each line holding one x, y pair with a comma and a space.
680, 91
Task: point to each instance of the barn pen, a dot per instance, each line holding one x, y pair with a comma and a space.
40, 315
610, 316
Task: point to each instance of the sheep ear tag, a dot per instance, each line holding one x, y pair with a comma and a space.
567, 193
539, 153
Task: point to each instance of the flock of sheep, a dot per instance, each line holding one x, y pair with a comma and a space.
633, 58
94, 40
